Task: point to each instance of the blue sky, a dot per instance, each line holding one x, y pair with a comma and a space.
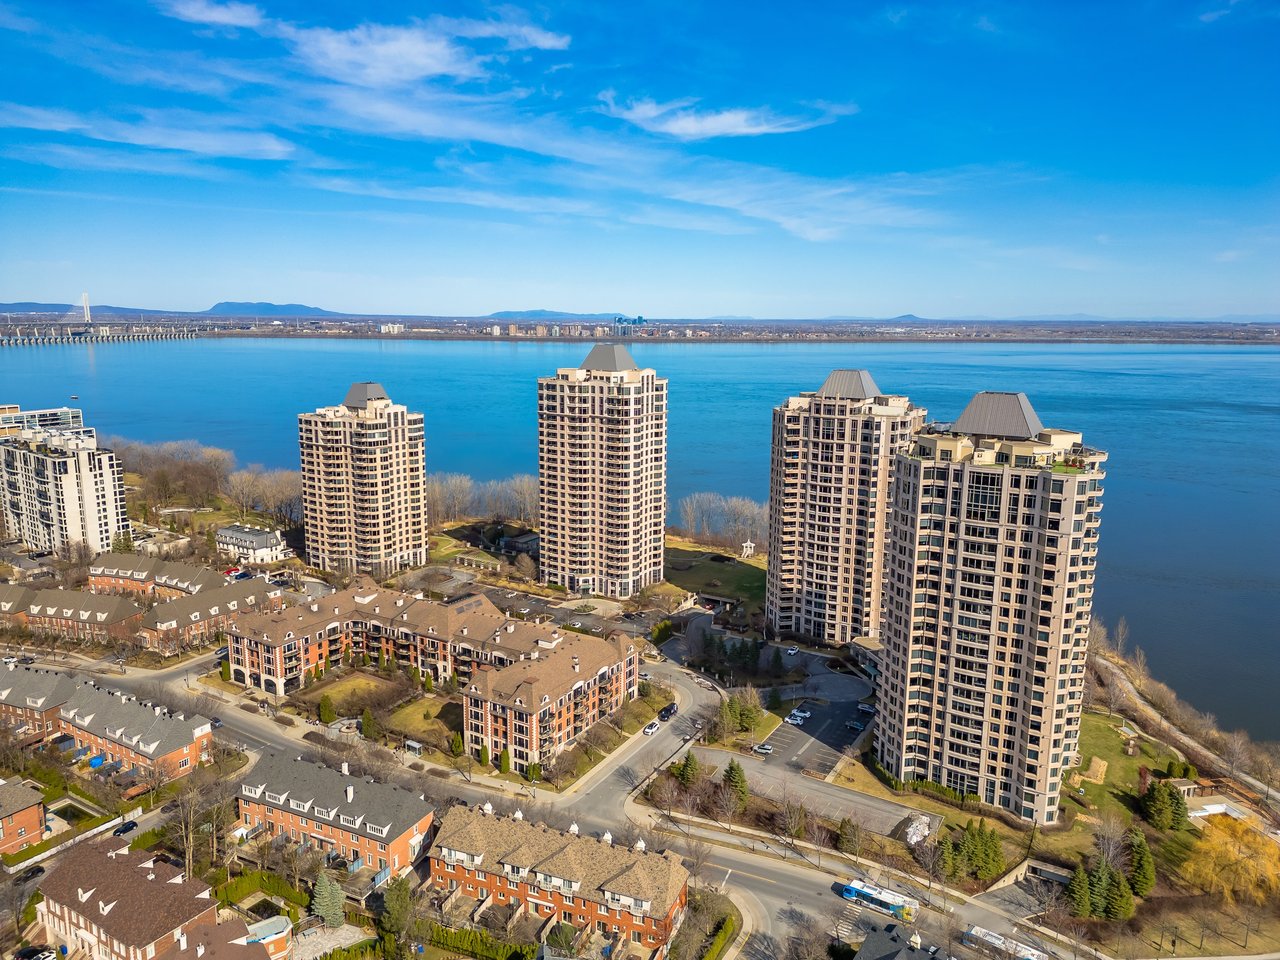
669, 159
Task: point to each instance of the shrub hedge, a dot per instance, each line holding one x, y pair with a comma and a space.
259, 881
723, 938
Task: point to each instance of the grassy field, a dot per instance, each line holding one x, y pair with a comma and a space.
427, 720
347, 692
1100, 737
735, 578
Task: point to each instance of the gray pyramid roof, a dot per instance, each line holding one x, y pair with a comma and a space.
608, 356
849, 385
992, 414
360, 394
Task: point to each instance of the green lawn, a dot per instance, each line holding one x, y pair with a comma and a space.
348, 692
1100, 737
426, 720
691, 568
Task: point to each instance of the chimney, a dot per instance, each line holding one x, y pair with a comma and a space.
607, 838
573, 828
351, 792
199, 949
576, 667
315, 608
346, 772
511, 628
182, 941
518, 815
640, 845
464, 631
335, 611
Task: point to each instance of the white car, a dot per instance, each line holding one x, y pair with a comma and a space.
792, 651
646, 676
651, 728
577, 624
762, 748
524, 611
9, 661
799, 712
794, 721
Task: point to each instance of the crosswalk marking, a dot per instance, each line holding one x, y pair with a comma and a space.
848, 921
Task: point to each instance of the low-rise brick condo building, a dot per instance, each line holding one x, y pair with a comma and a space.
105, 902
21, 816
623, 894
378, 825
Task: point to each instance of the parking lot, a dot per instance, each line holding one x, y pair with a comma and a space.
817, 745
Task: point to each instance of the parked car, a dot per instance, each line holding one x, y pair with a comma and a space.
510, 594
645, 675
524, 611
858, 725
667, 712
651, 728
37, 951
215, 722
794, 721
762, 748
222, 653
27, 659
801, 712
169, 807
792, 651
9, 661
31, 875
127, 827
576, 624
866, 708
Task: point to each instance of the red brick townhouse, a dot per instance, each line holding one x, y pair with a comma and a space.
378, 825
103, 901
40, 705
276, 651
625, 895
31, 701
71, 614
191, 621
21, 816
536, 706
166, 579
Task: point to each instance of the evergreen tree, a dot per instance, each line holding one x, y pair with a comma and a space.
947, 856
1078, 894
225, 667
1178, 809
414, 676
775, 666
1142, 865
484, 754
967, 851
328, 665
1119, 905
849, 837
991, 862
368, 725
736, 777
504, 761
397, 908
455, 745
327, 901
382, 659
687, 770
122, 543
326, 711
1099, 888
775, 698
1174, 769
428, 684
533, 772
1157, 806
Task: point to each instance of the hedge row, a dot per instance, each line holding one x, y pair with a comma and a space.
147, 839
259, 881
723, 938
22, 856
364, 950
478, 944
945, 793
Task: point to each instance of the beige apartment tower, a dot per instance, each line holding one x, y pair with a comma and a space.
602, 475
830, 470
364, 484
992, 548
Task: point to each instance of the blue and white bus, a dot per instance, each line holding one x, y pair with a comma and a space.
886, 901
979, 936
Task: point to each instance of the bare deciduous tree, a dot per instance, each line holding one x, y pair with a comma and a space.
243, 489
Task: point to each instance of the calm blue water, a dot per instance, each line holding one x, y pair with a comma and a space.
1191, 527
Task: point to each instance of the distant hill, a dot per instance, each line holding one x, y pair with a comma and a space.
550, 315
236, 308
30, 306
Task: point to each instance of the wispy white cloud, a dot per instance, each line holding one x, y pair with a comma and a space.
1227, 256
11, 19
518, 34
680, 119
171, 130
1209, 16
375, 55
230, 13
67, 157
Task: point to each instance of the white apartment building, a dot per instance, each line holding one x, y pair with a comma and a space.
364, 484
13, 419
602, 475
60, 488
250, 544
830, 471
992, 548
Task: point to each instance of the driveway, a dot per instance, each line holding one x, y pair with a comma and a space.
817, 745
